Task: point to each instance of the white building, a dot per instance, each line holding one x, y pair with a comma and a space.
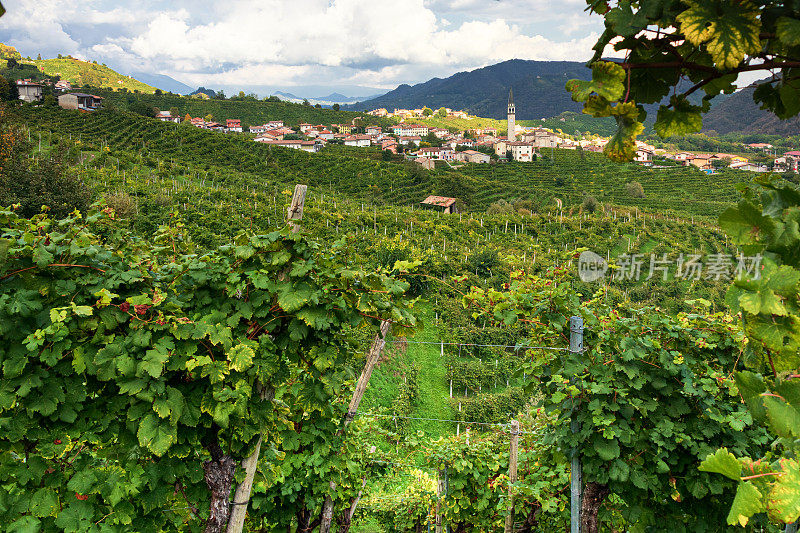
360, 141
166, 116
406, 130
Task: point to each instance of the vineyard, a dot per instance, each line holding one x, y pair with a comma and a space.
215, 332
249, 110
564, 174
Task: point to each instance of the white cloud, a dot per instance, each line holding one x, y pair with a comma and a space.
270, 42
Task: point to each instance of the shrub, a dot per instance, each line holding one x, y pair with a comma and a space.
590, 204
635, 189
500, 207
124, 205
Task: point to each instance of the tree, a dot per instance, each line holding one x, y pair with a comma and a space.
158, 92
209, 117
442, 112
635, 189
34, 185
336, 107
692, 47
306, 102
187, 118
426, 112
5, 89
173, 111
39, 57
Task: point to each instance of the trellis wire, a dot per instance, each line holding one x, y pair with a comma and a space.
465, 422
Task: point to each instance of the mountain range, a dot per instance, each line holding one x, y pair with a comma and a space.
333, 98
538, 90
739, 113
539, 93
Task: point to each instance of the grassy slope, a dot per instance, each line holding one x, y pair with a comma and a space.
81, 73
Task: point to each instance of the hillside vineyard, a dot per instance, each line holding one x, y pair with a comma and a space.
242, 314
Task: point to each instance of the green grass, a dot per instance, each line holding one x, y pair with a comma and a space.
433, 389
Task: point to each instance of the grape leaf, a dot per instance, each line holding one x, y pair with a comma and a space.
241, 357
784, 419
730, 30
156, 436
608, 81
44, 502
622, 145
722, 462
746, 503
684, 118
788, 30
606, 449
785, 495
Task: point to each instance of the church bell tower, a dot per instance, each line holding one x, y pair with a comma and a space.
511, 116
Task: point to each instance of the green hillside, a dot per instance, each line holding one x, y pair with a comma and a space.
90, 74
459, 368
249, 110
564, 174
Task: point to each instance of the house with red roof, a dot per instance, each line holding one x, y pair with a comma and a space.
441, 203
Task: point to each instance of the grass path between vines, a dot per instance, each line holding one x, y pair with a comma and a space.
433, 397
433, 390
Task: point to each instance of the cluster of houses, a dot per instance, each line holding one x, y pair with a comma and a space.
708, 162
33, 91
415, 113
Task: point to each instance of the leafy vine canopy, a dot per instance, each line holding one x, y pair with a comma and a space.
681, 54
126, 364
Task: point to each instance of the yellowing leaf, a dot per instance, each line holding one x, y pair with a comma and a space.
241, 357
728, 29
784, 499
608, 81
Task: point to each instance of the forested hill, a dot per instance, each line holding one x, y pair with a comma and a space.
739, 113
538, 90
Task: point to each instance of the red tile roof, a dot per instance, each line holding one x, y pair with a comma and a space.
441, 201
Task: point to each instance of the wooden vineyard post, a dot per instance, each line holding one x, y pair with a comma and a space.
241, 498
512, 474
440, 492
295, 210
363, 380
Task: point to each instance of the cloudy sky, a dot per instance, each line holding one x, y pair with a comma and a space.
265, 44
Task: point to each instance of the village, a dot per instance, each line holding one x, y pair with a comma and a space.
426, 145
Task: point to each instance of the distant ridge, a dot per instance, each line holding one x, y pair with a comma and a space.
208, 92
163, 82
739, 113
333, 98
538, 90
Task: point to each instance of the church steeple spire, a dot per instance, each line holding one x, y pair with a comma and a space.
512, 112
